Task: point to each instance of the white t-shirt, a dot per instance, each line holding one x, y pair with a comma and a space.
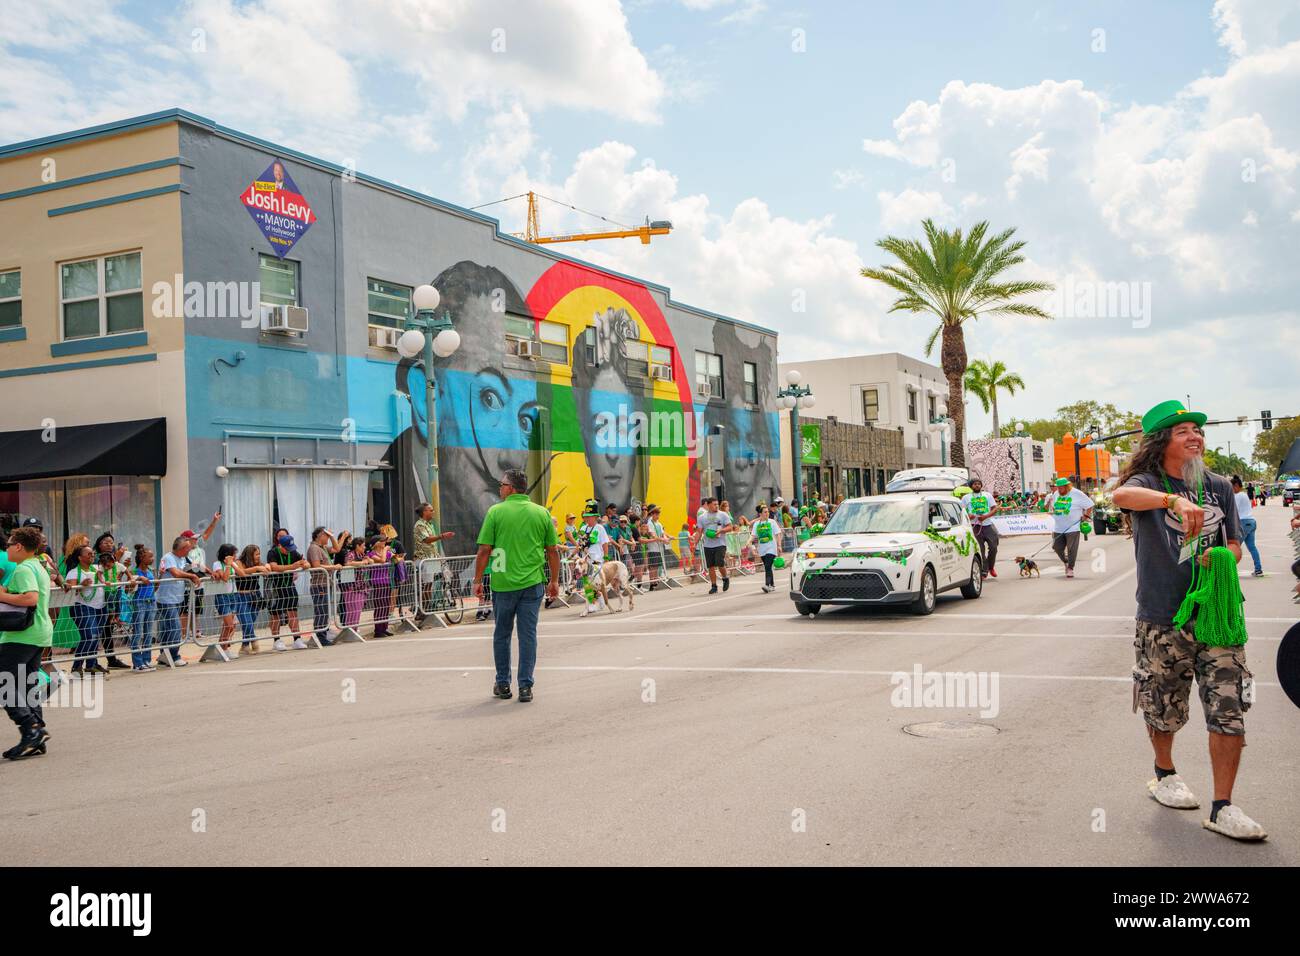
595, 549
1067, 510
973, 502
769, 546
1244, 510
90, 597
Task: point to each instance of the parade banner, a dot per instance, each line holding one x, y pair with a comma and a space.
812, 444
277, 207
1033, 523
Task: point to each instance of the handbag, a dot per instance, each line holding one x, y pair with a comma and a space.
17, 618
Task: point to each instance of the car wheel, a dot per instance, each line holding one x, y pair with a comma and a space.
807, 610
975, 586
924, 603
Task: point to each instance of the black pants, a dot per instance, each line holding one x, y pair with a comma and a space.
1066, 547
987, 535
767, 569
22, 663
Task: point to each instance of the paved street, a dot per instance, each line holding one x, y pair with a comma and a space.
756, 714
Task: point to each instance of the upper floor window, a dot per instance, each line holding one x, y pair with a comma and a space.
933, 408
911, 404
279, 280
871, 404
101, 296
751, 383
11, 299
387, 303
708, 371
642, 356
549, 340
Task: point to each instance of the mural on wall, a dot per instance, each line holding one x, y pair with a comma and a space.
996, 462
594, 427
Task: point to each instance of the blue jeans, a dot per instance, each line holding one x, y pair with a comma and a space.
142, 620
246, 615
90, 624
1248, 526
169, 630
525, 605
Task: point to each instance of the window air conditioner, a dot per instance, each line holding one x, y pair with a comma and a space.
662, 373
526, 349
382, 337
284, 319
703, 390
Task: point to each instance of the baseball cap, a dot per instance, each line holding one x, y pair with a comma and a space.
187, 533
34, 523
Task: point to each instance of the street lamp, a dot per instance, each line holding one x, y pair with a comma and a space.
940, 424
425, 331
794, 397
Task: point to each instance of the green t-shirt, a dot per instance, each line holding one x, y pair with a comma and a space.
6, 569
518, 531
31, 575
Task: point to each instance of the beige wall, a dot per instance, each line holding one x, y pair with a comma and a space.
37, 243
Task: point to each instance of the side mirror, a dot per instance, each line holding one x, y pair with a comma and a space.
939, 524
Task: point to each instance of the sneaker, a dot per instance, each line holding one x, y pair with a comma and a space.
1233, 822
714, 589
279, 645
502, 691
1069, 572
768, 590
96, 668
525, 693
993, 573
326, 641
1257, 573
117, 663
33, 741
726, 584
300, 645
147, 668
180, 661
1172, 792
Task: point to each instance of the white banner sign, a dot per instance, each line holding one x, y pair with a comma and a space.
1033, 523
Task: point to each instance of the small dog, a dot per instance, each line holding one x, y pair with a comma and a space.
610, 576
1028, 567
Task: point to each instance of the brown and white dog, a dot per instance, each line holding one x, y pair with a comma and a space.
1028, 567
610, 576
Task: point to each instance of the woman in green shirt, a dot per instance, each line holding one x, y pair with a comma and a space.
20, 649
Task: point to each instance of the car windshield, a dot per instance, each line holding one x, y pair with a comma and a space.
877, 517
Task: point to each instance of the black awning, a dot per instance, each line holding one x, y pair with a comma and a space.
115, 448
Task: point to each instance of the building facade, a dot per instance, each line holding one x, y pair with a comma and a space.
840, 458
223, 312
886, 391
1008, 465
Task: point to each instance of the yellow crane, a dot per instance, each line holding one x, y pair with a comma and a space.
533, 231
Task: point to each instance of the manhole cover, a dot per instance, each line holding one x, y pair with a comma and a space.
951, 728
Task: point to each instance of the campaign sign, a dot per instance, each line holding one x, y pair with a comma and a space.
278, 208
1022, 523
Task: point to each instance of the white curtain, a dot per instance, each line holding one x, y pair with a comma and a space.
247, 510
133, 513
90, 506
360, 501
292, 486
333, 501
44, 500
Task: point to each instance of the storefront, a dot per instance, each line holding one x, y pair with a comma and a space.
840, 459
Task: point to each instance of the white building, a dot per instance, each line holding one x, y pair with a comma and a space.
889, 390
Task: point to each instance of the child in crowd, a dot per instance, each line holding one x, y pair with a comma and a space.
144, 610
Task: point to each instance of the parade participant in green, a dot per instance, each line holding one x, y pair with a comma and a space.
981, 507
765, 533
1068, 507
712, 529
1183, 519
27, 598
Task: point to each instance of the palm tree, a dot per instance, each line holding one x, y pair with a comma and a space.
983, 379
955, 278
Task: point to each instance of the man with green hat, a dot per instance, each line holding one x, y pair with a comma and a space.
1176, 511
1068, 506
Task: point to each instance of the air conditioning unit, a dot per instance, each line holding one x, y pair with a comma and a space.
703, 390
663, 373
284, 319
526, 348
382, 337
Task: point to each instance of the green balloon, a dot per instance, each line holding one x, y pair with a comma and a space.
779, 562
1085, 527
711, 533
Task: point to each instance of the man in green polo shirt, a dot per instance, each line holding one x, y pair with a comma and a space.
517, 537
20, 650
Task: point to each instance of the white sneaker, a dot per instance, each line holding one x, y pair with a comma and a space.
300, 645
279, 645
180, 661
1233, 822
768, 590
1172, 792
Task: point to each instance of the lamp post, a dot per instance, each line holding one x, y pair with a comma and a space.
794, 397
1019, 428
426, 331
940, 424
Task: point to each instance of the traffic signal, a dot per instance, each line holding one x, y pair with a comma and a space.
1267, 422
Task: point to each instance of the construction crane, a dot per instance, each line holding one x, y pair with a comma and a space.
533, 232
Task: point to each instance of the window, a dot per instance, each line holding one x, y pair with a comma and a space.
920, 440
589, 346
911, 404
11, 299
871, 404
101, 296
387, 303
641, 355
708, 371
933, 408
551, 338
751, 383
279, 280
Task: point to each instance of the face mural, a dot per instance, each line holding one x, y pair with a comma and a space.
597, 424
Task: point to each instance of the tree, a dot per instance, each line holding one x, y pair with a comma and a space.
1082, 416
983, 379
1041, 429
955, 278
1224, 464
1271, 446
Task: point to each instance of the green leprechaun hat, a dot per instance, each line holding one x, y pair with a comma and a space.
1167, 415
1061, 482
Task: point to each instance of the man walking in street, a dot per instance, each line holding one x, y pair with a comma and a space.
981, 507
1068, 507
518, 537
1176, 510
712, 529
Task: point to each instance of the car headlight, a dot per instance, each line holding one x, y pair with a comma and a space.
898, 556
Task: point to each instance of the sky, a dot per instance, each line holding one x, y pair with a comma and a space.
1147, 153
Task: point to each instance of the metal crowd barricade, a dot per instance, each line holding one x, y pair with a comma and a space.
382, 596
446, 587
112, 621
291, 606
739, 552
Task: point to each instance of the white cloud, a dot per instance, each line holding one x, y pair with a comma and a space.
901, 212
1253, 25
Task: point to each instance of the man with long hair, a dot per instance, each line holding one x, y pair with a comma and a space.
1176, 510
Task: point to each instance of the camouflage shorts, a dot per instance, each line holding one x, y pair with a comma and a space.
1162, 680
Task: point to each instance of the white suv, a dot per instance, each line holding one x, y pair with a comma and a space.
888, 549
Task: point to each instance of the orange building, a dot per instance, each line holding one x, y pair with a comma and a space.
1094, 462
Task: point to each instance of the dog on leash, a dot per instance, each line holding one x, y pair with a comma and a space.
1028, 567
610, 576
